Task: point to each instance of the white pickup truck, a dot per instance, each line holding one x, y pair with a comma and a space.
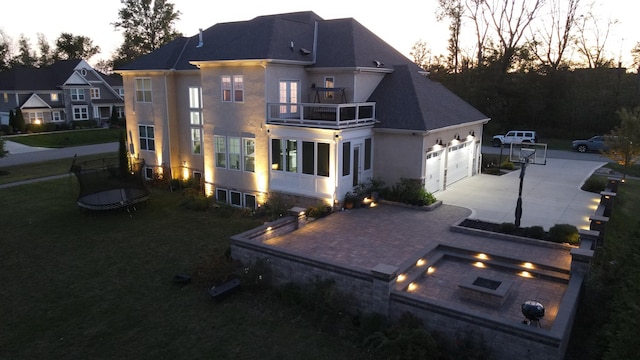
515, 137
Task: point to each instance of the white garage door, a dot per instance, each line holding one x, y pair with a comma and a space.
432, 171
457, 162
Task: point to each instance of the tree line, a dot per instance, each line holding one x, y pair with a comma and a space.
146, 26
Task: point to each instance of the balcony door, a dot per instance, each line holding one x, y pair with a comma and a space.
289, 98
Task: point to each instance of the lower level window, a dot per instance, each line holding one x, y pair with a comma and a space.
236, 198
221, 195
148, 173
250, 201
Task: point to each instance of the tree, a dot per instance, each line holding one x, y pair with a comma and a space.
5, 51
552, 40
593, 38
454, 10
12, 121
47, 55
26, 56
147, 25
3, 152
476, 14
69, 46
623, 146
18, 123
421, 54
509, 20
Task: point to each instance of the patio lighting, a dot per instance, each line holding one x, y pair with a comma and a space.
269, 228
431, 270
479, 264
525, 274
421, 262
401, 277
482, 256
528, 265
412, 287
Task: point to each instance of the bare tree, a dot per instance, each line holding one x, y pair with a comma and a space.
594, 33
551, 40
453, 10
510, 19
421, 54
481, 27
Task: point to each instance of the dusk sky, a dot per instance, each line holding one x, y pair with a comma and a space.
400, 23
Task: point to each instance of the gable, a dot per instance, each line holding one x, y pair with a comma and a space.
76, 79
35, 102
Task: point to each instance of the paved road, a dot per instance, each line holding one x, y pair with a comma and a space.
553, 154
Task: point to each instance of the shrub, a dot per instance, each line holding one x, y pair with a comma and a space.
257, 275
407, 339
507, 228
507, 165
274, 208
6, 129
564, 233
594, 184
195, 200
536, 232
410, 191
318, 211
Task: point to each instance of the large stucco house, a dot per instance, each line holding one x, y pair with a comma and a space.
61, 93
297, 105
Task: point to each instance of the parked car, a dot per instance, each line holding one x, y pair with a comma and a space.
515, 137
596, 143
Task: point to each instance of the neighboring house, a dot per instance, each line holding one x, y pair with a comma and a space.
296, 105
67, 91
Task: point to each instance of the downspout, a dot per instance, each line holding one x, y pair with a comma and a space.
168, 125
315, 40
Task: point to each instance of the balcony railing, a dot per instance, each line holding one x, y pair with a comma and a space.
328, 116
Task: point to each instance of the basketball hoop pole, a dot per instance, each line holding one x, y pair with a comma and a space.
519, 203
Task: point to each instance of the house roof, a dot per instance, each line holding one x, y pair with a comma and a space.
22, 78
44, 78
340, 43
407, 100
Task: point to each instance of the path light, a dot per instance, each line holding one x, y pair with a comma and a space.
525, 274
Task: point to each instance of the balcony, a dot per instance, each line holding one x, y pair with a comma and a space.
325, 116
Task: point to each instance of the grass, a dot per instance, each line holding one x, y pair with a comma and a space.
61, 139
608, 314
83, 285
9, 174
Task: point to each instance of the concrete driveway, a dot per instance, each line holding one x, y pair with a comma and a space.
550, 195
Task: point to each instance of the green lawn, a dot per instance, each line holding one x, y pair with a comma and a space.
15, 173
60, 139
83, 285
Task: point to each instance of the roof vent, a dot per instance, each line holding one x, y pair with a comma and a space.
304, 51
291, 45
200, 41
378, 63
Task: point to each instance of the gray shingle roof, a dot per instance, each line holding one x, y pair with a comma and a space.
405, 99
408, 100
45, 78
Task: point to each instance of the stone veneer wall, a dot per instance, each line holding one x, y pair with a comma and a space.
367, 289
505, 339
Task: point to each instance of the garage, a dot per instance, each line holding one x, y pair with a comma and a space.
432, 171
458, 162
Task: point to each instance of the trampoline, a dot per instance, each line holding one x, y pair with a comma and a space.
105, 185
